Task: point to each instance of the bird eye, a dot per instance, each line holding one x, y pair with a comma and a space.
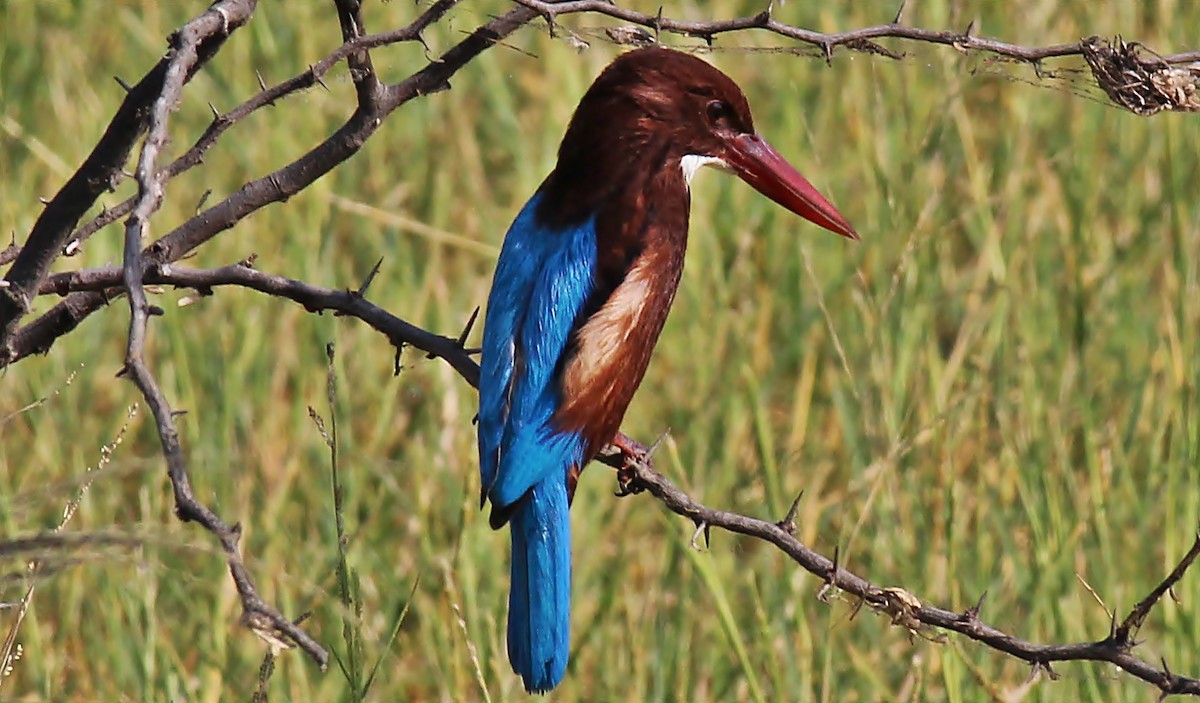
718, 111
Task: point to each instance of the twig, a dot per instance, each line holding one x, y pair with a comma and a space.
890, 600
313, 298
256, 613
97, 173
1123, 635
39, 335
264, 98
855, 39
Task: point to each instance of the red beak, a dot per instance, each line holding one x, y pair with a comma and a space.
757, 163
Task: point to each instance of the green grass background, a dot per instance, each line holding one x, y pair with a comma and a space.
994, 391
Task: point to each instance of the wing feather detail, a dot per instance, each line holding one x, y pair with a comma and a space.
543, 280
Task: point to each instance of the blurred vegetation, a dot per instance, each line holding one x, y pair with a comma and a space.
995, 391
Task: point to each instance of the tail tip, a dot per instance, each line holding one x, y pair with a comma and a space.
546, 678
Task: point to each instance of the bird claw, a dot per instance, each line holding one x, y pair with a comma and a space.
633, 454
627, 480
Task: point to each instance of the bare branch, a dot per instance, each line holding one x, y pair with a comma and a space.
108, 280
265, 97
905, 608
1123, 635
256, 613
102, 166
636, 474
39, 335
852, 39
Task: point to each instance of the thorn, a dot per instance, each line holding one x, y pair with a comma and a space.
857, 607
830, 585
317, 78
178, 413
396, 367
124, 371
475, 420
462, 338
970, 30
972, 613
43, 200
154, 311
215, 111
656, 443
128, 88
701, 529
899, 12
203, 199
770, 10
1164, 687
788, 524
827, 48
329, 352
658, 25
262, 85
72, 248
362, 289
1035, 672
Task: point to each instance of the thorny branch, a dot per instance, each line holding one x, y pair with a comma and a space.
855, 39
637, 474
256, 613
1162, 82
376, 101
1136, 83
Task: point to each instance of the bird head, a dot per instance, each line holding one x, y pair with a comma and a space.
662, 104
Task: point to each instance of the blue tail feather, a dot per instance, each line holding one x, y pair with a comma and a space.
539, 621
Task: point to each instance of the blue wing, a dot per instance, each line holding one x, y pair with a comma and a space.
542, 281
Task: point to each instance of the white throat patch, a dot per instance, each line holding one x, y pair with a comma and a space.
692, 163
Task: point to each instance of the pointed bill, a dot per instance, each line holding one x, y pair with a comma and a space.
757, 163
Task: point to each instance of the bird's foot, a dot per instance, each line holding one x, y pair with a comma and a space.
627, 481
634, 455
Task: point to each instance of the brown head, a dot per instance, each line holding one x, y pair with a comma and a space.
656, 108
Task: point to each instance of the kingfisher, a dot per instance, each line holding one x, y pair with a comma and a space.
581, 291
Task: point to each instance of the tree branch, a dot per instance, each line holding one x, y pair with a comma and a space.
852, 39
256, 613
101, 168
1140, 84
636, 474
40, 335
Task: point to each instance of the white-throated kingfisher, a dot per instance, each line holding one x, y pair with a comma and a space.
585, 279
